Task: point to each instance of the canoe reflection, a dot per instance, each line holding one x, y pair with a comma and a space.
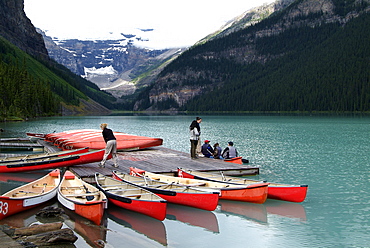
90, 232
250, 211
150, 227
193, 216
24, 177
286, 209
259, 212
25, 218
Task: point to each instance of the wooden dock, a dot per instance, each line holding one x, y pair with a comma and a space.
8, 242
158, 160
19, 144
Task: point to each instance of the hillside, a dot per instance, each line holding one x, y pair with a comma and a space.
31, 84
309, 56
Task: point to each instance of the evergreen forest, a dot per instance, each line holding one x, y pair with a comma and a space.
31, 87
321, 68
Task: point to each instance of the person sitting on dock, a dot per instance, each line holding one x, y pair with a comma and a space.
207, 149
111, 145
230, 151
217, 151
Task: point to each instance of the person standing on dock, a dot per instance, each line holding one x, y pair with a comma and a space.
194, 137
230, 151
111, 145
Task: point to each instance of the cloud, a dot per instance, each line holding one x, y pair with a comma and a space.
174, 23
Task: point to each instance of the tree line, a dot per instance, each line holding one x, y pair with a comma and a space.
325, 68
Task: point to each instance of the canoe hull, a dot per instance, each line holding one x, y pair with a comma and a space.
288, 193
123, 144
131, 197
74, 139
77, 201
237, 160
156, 210
11, 205
202, 200
43, 156
93, 211
61, 161
255, 193
284, 192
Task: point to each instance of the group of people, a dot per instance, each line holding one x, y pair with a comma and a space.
206, 149
216, 151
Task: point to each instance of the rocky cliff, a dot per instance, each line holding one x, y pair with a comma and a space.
18, 29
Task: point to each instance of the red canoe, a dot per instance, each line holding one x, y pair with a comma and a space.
30, 157
53, 136
93, 139
124, 141
278, 191
133, 198
49, 163
29, 195
254, 192
174, 193
83, 198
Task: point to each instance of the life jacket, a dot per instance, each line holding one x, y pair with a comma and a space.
230, 152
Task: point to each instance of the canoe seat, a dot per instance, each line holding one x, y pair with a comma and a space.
112, 185
87, 194
71, 187
26, 193
69, 175
41, 186
121, 189
54, 173
137, 196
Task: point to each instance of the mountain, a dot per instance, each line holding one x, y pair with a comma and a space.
31, 84
18, 29
110, 64
310, 55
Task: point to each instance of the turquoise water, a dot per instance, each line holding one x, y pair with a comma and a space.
329, 153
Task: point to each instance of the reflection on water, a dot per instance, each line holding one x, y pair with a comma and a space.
286, 209
150, 227
90, 232
259, 212
250, 211
193, 216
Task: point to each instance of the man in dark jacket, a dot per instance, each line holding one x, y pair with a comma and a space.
111, 145
207, 149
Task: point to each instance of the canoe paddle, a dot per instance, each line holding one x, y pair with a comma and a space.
88, 197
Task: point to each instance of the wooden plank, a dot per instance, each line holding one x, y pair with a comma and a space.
14, 144
8, 242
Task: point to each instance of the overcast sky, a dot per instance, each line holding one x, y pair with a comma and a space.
175, 23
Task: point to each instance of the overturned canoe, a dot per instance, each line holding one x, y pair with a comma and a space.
254, 192
81, 197
131, 197
278, 191
174, 193
30, 195
93, 139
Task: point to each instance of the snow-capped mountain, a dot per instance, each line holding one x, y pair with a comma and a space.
110, 63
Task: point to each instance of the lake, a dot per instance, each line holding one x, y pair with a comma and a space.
331, 154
